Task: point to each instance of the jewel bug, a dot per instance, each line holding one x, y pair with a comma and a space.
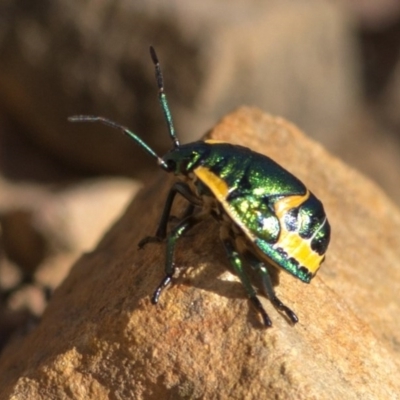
268, 219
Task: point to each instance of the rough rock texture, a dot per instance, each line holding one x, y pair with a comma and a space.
101, 338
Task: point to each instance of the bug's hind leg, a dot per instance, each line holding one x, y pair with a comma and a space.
262, 271
237, 265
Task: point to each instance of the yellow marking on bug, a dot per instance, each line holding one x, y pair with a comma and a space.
295, 246
300, 249
289, 202
214, 141
217, 185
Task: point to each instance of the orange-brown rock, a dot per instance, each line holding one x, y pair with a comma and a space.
101, 337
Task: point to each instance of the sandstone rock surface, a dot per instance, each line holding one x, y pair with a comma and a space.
101, 338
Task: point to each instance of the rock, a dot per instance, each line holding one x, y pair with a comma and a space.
30, 298
101, 337
382, 164
375, 14
42, 233
67, 219
10, 273
23, 243
77, 216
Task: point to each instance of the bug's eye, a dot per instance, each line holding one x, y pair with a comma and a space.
171, 164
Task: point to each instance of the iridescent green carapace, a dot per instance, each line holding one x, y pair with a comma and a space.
267, 217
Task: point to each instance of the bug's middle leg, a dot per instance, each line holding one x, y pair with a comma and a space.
237, 265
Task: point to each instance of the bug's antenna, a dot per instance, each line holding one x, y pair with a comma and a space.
126, 131
163, 98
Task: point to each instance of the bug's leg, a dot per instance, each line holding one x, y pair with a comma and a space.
161, 233
237, 264
262, 271
187, 213
172, 238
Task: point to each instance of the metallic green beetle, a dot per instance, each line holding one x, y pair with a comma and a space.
266, 215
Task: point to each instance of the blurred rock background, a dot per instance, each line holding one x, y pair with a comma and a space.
331, 67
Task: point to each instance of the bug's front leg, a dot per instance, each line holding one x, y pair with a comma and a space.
172, 238
237, 265
262, 271
187, 213
161, 233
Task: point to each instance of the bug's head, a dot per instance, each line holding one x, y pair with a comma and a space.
183, 159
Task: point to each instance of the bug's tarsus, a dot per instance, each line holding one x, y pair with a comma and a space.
292, 316
259, 307
165, 282
289, 313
